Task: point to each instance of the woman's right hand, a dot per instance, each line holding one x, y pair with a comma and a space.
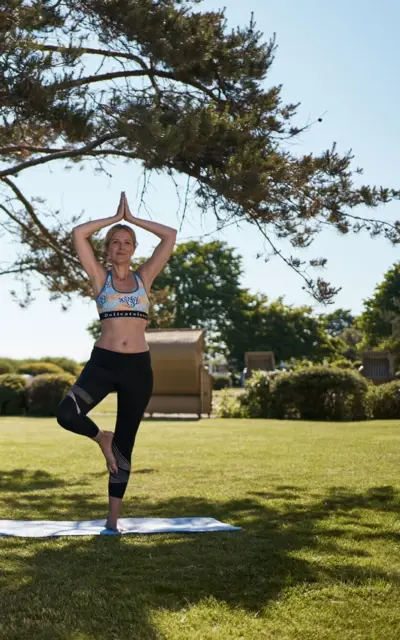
121, 208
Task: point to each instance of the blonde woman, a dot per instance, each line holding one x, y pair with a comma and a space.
120, 359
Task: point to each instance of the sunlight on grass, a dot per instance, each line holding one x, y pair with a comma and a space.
318, 555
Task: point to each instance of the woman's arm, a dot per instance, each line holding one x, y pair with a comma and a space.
81, 234
161, 254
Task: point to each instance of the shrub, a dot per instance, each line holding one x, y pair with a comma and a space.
46, 392
257, 399
320, 393
229, 406
383, 400
12, 394
34, 368
294, 364
221, 382
66, 364
344, 363
7, 366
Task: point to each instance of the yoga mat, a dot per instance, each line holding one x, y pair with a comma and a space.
56, 528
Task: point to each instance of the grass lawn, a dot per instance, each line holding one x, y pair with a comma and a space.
318, 556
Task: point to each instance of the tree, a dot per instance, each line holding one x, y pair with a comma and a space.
380, 320
337, 321
168, 86
204, 279
352, 339
290, 332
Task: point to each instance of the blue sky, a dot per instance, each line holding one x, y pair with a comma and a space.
339, 59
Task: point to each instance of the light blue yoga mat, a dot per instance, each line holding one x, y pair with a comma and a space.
56, 528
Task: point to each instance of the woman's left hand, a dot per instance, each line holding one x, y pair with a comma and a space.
127, 212
161, 254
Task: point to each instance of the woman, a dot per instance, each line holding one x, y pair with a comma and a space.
120, 360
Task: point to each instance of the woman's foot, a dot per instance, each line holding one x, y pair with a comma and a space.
114, 510
104, 439
112, 525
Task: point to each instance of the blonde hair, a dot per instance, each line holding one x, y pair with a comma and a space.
110, 233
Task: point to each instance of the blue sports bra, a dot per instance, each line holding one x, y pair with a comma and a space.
122, 304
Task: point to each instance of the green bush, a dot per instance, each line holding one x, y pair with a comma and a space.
294, 364
257, 399
66, 364
46, 392
12, 394
320, 393
229, 406
7, 366
221, 382
344, 363
383, 401
34, 368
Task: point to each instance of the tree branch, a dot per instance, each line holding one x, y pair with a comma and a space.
90, 50
47, 235
151, 73
56, 156
20, 270
22, 147
19, 222
309, 282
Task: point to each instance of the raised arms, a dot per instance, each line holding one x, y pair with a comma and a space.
157, 261
81, 234
148, 270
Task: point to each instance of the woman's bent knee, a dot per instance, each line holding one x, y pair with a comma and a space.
67, 414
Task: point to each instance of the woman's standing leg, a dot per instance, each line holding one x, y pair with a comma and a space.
90, 388
134, 391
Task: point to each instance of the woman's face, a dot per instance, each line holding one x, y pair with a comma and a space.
121, 247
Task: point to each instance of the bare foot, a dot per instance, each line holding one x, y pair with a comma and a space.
105, 444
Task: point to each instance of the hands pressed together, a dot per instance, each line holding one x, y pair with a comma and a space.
167, 234
123, 211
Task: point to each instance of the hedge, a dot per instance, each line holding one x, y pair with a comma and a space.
34, 368
383, 401
7, 366
312, 393
46, 392
66, 364
320, 393
12, 394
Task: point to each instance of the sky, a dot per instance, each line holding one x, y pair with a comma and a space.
340, 61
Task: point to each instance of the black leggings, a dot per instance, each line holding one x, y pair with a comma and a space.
131, 376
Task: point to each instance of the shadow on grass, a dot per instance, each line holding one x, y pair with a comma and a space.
22, 480
108, 587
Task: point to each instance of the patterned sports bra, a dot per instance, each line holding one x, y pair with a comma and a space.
112, 303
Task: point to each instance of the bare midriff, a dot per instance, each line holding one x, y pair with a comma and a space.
125, 335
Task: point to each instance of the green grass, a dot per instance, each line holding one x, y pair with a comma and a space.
318, 556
